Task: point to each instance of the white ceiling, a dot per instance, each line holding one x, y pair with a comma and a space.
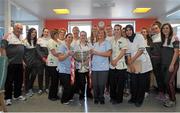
87, 9
17, 14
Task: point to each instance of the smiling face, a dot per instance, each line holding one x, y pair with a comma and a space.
18, 30
68, 38
83, 37
33, 34
117, 31
46, 33
101, 35
62, 34
144, 32
129, 32
109, 30
123, 32
155, 29
166, 30
75, 32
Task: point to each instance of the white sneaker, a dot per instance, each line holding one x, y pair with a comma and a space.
40, 92
146, 95
66, 103
170, 103
47, 91
21, 98
30, 93
8, 102
71, 100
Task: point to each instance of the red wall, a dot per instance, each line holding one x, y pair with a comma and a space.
63, 23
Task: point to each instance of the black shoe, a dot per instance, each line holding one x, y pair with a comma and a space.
81, 98
138, 104
102, 102
90, 96
53, 99
131, 101
116, 102
111, 100
96, 102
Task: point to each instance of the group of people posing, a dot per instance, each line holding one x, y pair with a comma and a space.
114, 54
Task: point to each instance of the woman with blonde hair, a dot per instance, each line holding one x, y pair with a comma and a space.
100, 66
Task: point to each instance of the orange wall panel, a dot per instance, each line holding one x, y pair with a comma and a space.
52, 24
143, 23
63, 23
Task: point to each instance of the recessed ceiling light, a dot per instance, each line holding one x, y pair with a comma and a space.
61, 11
141, 10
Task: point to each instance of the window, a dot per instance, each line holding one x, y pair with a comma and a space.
176, 29
124, 23
82, 25
178, 32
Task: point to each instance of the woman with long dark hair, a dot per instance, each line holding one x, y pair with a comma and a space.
33, 61
169, 61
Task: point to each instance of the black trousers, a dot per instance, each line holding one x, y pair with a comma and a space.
14, 78
83, 79
47, 77
67, 87
169, 80
40, 72
76, 83
148, 79
157, 72
53, 90
137, 87
117, 83
30, 75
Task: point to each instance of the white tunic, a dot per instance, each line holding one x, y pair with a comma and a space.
13, 39
144, 59
156, 38
51, 59
43, 42
117, 46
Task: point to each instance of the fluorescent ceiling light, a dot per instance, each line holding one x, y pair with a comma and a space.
61, 11
173, 13
141, 10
